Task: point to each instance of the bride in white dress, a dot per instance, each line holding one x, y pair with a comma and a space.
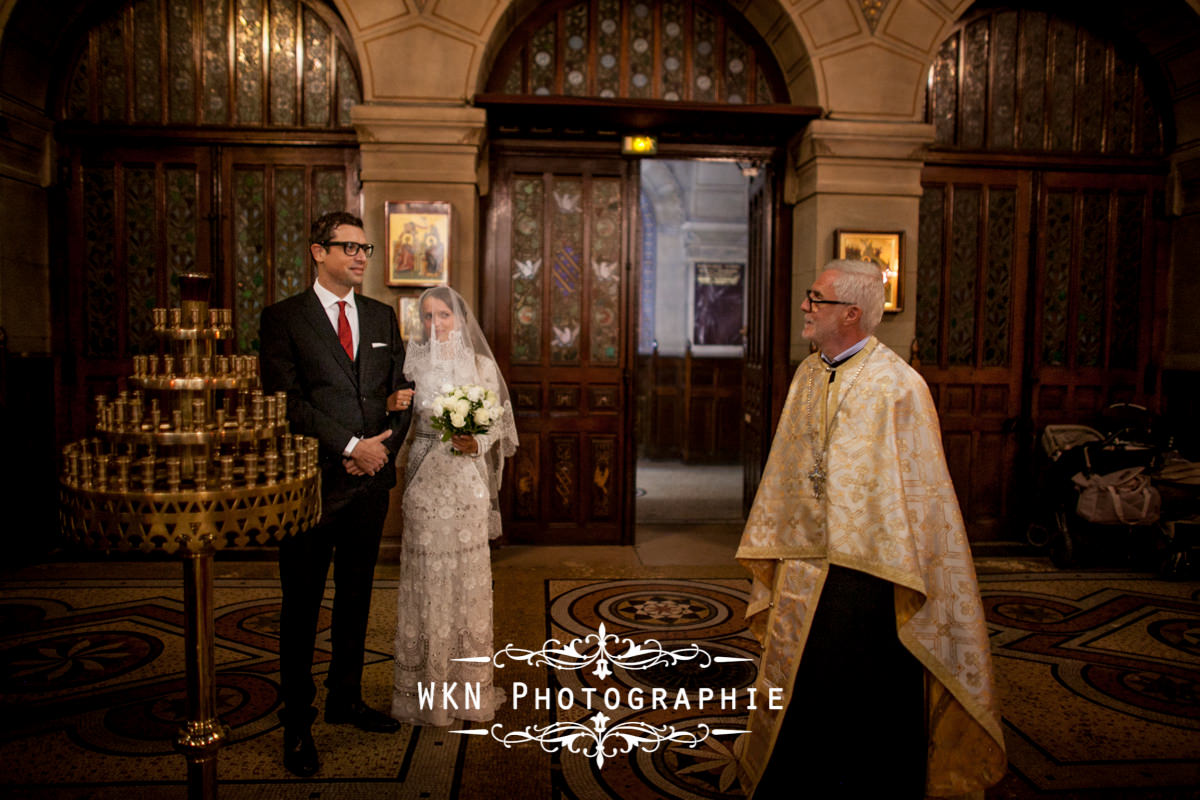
450, 513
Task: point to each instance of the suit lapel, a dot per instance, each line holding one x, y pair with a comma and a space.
315, 314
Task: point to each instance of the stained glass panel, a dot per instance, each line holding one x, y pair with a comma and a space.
973, 99
929, 272
738, 62
249, 247
1093, 262
575, 51
1056, 283
608, 47
1003, 84
111, 71
216, 62
291, 251
1092, 100
541, 59
566, 255
964, 261
1033, 80
348, 93
944, 101
181, 225
317, 38
997, 290
283, 62
100, 291
528, 196
641, 51
1127, 281
704, 72
330, 191
249, 35
606, 270
674, 72
181, 69
141, 257
78, 95
1062, 101
147, 85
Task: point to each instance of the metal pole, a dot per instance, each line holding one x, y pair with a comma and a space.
203, 734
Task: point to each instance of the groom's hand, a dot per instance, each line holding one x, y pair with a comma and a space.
370, 455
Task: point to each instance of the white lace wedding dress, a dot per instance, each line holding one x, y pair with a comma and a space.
445, 595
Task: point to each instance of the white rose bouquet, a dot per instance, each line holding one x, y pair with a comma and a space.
466, 410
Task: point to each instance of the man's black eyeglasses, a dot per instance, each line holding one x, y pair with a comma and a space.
351, 248
817, 301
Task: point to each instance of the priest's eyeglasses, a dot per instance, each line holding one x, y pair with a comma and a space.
351, 248
815, 301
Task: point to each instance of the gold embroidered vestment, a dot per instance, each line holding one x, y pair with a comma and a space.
887, 508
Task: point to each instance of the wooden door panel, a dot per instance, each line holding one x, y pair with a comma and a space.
559, 246
971, 297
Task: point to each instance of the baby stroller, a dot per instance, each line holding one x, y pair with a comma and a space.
1096, 495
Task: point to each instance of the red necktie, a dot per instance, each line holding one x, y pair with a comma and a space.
344, 334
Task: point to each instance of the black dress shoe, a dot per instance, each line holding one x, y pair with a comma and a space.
300, 753
361, 716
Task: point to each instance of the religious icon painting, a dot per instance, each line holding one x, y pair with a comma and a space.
884, 249
418, 243
408, 312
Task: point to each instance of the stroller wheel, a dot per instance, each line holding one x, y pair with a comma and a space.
1062, 547
1038, 534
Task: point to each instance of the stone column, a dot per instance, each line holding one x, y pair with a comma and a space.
863, 176
423, 152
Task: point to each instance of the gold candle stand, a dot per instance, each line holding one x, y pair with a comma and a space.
191, 458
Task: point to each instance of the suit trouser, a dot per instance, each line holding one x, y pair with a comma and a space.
349, 538
855, 723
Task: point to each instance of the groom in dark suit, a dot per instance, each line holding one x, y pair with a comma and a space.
338, 355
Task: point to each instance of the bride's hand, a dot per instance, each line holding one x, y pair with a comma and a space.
465, 443
400, 400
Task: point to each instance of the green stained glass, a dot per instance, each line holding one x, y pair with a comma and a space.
929, 271
674, 59
1056, 281
216, 62
542, 48
141, 257
566, 269
100, 292
112, 71
348, 93
1093, 263
317, 38
528, 196
575, 51
283, 62
738, 64
181, 225
291, 251
249, 34
605, 279
964, 260
147, 85
704, 83
181, 69
997, 299
608, 49
249, 250
641, 51
330, 191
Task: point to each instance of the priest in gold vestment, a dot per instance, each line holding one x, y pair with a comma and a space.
864, 594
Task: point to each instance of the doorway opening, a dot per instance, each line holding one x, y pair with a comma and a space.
691, 308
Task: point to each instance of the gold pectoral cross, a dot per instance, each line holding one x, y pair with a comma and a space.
817, 476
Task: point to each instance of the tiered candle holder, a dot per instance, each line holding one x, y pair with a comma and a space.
189, 458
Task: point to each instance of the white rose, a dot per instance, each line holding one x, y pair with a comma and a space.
482, 416
458, 421
462, 407
439, 405
475, 394
447, 388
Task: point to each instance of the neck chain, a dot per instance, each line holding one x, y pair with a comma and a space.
818, 475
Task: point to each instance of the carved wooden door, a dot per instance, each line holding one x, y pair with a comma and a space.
560, 247
139, 217
766, 332
1035, 305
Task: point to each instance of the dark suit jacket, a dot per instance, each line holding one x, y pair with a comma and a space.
331, 397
